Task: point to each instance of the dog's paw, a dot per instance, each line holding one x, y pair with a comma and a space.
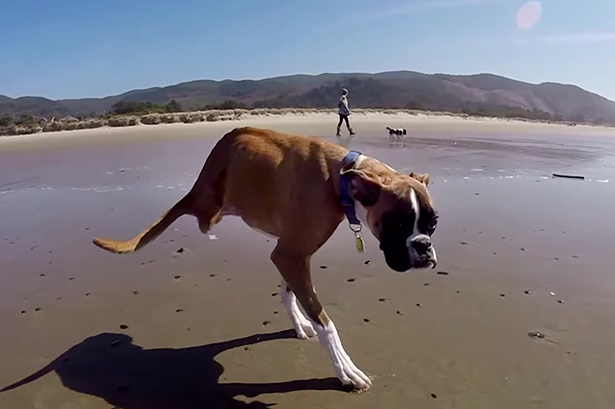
347, 372
353, 379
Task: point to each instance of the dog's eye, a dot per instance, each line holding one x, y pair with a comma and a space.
433, 224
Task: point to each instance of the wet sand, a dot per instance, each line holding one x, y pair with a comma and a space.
204, 328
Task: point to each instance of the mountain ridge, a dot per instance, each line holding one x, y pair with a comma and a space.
477, 93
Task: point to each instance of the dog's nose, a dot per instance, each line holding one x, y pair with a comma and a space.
421, 244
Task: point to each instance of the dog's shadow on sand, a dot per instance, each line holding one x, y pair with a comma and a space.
110, 366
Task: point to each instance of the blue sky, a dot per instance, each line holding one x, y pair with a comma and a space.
87, 48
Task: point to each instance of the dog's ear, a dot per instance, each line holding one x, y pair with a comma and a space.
363, 187
423, 178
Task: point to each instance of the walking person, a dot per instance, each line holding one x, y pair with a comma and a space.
343, 112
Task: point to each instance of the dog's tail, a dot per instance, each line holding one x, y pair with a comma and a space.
389, 129
146, 236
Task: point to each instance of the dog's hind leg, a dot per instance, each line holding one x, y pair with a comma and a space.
295, 269
207, 208
303, 326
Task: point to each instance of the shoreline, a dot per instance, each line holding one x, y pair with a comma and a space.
261, 117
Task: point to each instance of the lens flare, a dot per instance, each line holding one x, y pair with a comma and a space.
529, 15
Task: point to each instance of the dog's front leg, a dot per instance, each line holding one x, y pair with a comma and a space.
303, 327
295, 269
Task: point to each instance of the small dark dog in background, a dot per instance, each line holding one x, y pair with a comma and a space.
396, 132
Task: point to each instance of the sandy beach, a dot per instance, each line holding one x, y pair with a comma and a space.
194, 321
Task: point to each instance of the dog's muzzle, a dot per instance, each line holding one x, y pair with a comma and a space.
415, 253
421, 252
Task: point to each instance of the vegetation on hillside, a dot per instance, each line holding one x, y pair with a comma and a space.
143, 108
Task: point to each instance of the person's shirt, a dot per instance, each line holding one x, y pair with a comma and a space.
343, 106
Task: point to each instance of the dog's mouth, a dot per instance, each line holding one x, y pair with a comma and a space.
424, 261
400, 261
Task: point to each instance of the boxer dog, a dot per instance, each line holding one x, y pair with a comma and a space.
298, 189
396, 132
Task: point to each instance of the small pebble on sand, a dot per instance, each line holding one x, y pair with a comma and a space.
433, 395
123, 326
367, 262
502, 295
37, 309
443, 273
365, 319
528, 292
266, 322
351, 280
323, 267
177, 277
382, 299
535, 334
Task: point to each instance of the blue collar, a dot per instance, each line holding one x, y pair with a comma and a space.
345, 200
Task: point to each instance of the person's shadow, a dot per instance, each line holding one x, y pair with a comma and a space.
128, 376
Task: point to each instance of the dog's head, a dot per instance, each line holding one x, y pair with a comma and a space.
398, 210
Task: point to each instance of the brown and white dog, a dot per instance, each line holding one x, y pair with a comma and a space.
299, 189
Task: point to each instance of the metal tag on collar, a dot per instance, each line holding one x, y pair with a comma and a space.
358, 237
